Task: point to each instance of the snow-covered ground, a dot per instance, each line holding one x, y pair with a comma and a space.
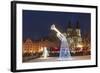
48, 59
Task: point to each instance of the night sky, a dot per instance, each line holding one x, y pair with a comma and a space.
36, 24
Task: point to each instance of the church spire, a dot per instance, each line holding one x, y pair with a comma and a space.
69, 24
77, 25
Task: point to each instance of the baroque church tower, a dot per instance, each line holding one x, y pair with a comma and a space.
73, 35
78, 31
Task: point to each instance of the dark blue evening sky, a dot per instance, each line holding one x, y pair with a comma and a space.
36, 24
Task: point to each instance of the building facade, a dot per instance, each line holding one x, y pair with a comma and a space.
73, 34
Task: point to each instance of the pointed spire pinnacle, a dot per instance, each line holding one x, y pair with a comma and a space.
69, 24
77, 24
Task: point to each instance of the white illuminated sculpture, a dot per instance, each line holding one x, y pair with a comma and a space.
45, 53
64, 48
